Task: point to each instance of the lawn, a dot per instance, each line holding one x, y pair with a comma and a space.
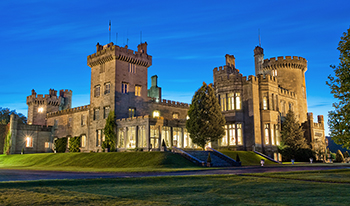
248, 158
190, 190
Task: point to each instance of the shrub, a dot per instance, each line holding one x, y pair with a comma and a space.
346, 154
339, 156
238, 159
61, 145
299, 155
209, 158
74, 144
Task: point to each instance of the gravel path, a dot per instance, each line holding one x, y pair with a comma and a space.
25, 175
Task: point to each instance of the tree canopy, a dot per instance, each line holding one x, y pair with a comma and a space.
5, 114
206, 122
339, 118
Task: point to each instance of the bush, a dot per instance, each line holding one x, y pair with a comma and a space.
209, 158
74, 144
339, 156
299, 155
238, 159
61, 145
346, 154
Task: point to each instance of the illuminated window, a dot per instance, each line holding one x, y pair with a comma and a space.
106, 112
175, 115
231, 101
223, 102
154, 136
177, 137
68, 142
239, 134
277, 134
83, 119
238, 101
224, 138
47, 144
232, 133
98, 137
267, 136
156, 114
121, 138
272, 135
125, 87
131, 112
142, 142
107, 88
131, 140
264, 103
83, 140
97, 91
29, 142
138, 91
41, 109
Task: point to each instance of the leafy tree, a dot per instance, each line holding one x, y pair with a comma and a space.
5, 114
293, 144
61, 145
339, 156
206, 122
339, 118
74, 144
109, 132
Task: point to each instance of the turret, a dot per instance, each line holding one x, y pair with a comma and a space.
259, 59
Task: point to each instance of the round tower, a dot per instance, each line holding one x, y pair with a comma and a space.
290, 72
259, 59
39, 105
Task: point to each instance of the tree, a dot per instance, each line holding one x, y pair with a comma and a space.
339, 118
61, 145
206, 122
339, 156
5, 114
319, 147
74, 144
109, 132
293, 144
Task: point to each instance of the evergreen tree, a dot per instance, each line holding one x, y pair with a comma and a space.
292, 134
339, 118
5, 114
206, 122
109, 132
339, 156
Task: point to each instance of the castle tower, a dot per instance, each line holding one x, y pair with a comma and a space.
39, 105
118, 82
259, 60
290, 72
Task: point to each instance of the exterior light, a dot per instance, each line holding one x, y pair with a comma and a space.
156, 114
40, 109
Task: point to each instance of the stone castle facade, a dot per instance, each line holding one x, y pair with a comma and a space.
253, 107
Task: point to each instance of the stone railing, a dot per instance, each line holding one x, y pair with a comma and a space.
224, 157
187, 156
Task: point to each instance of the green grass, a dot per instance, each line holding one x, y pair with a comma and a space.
190, 190
248, 158
108, 162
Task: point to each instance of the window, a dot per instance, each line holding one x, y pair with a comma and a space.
68, 140
83, 140
154, 136
131, 140
239, 134
232, 133
224, 138
272, 135
223, 102
142, 142
175, 115
96, 114
125, 87
41, 109
29, 142
83, 120
97, 91
177, 137
273, 102
265, 103
132, 68
137, 90
131, 112
277, 134
231, 101
70, 122
102, 68
156, 114
98, 137
47, 144
267, 136
166, 136
238, 101
107, 88
106, 112
121, 138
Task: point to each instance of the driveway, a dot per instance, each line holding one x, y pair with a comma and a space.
25, 175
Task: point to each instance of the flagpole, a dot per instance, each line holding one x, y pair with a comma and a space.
109, 28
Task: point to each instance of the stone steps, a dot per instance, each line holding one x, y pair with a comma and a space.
216, 161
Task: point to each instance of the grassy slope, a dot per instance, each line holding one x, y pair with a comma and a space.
143, 161
248, 158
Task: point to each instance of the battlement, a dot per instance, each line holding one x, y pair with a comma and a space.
50, 99
285, 92
65, 92
267, 78
169, 102
294, 62
69, 111
224, 70
133, 118
320, 121
111, 52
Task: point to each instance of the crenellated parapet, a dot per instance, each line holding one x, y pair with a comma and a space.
286, 92
69, 111
267, 78
111, 52
169, 103
294, 62
48, 99
133, 118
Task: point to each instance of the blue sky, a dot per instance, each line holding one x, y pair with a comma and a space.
44, 44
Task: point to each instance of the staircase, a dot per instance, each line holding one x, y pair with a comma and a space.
200, 157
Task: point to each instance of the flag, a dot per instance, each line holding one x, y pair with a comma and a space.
109, 28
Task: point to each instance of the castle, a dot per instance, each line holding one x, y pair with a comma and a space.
253, 107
